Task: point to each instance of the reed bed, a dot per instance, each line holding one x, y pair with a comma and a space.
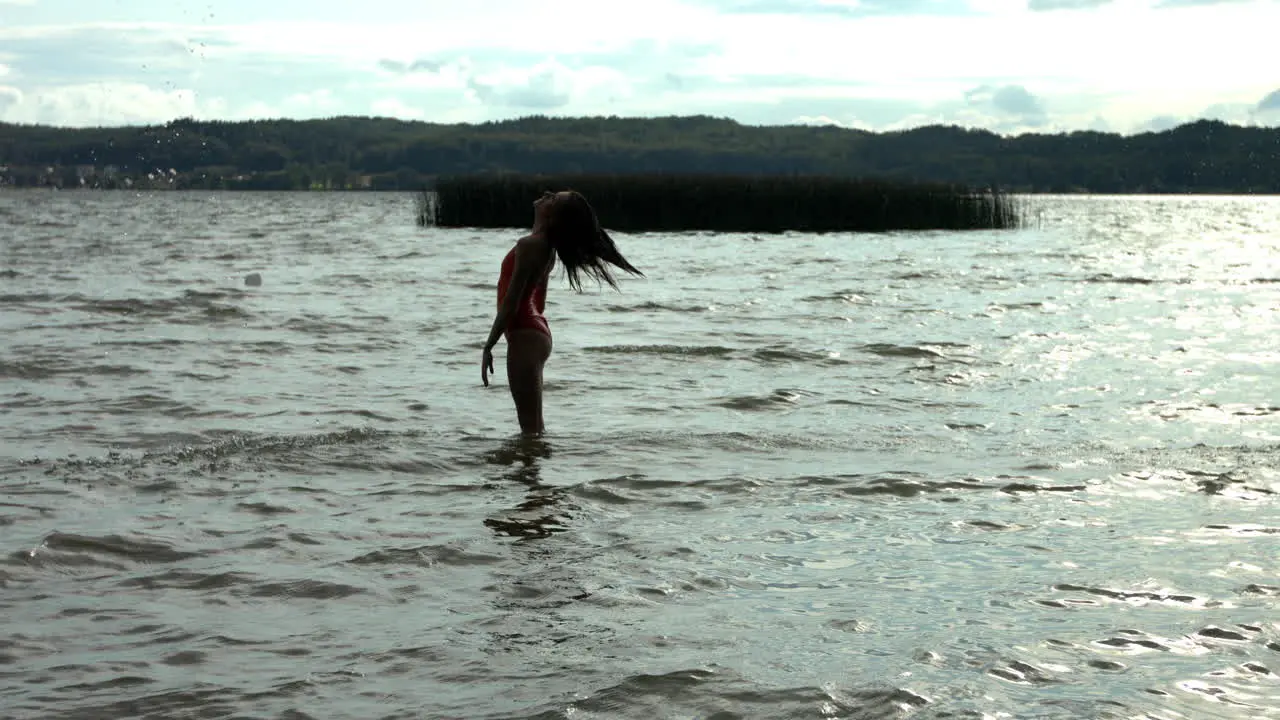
724, 203
426, 206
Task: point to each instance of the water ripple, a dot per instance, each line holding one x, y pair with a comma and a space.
919, 475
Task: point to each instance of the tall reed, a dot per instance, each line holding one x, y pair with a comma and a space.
426, 205
726, 203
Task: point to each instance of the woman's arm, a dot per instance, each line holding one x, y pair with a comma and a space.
525, 265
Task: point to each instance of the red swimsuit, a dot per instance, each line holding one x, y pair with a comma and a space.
528, 314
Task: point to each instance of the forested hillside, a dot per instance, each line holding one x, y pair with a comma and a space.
386, 154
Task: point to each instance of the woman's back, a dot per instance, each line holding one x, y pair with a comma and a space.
532, 304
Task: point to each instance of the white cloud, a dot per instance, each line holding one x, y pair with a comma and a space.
571, 26
443, 76
395, 108
1044, 5
1270, 103
1160, 123
312, 103
9, 97
549, 85
1009, 102
1126, 48
1116, 64
818, 121
542, 87
97, 104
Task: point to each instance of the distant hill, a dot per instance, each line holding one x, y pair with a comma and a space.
386, 154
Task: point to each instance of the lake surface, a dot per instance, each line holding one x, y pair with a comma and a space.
1021, 474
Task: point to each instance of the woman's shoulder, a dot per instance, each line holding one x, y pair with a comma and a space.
532, 244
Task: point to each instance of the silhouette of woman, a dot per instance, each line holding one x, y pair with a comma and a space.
565, 228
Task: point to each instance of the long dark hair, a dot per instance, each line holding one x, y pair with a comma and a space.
581, 244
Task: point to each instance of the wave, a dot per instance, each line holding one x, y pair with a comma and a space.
1120, 279
425, 556
115, 552
782, 398
931, 351
654, 306
44, 368
676, 350
720, 692
774, 354
851, 296
192, 307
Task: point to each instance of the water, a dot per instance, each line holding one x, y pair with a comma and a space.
1002, 475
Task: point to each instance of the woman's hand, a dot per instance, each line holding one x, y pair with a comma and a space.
486, 365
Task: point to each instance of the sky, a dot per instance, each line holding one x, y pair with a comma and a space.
1010, 66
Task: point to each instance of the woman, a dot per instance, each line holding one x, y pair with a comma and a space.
564, 227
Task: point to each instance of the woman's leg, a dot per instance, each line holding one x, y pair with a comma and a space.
527, 352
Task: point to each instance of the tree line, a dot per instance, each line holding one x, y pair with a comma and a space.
388, 154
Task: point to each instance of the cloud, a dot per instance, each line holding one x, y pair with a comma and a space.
9, 97
395, 108
315, 102
67, 56
842, 8
1043, 5
548, 86
1016, 100
875, 63
1235, 113
822, 121
405, 68
1195, 3
543, 82
453, 76
1047, 5
1160, 123
1097, 124
882, 115
1009, 101
100, 104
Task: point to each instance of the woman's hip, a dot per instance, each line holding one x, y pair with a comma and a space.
528, 344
